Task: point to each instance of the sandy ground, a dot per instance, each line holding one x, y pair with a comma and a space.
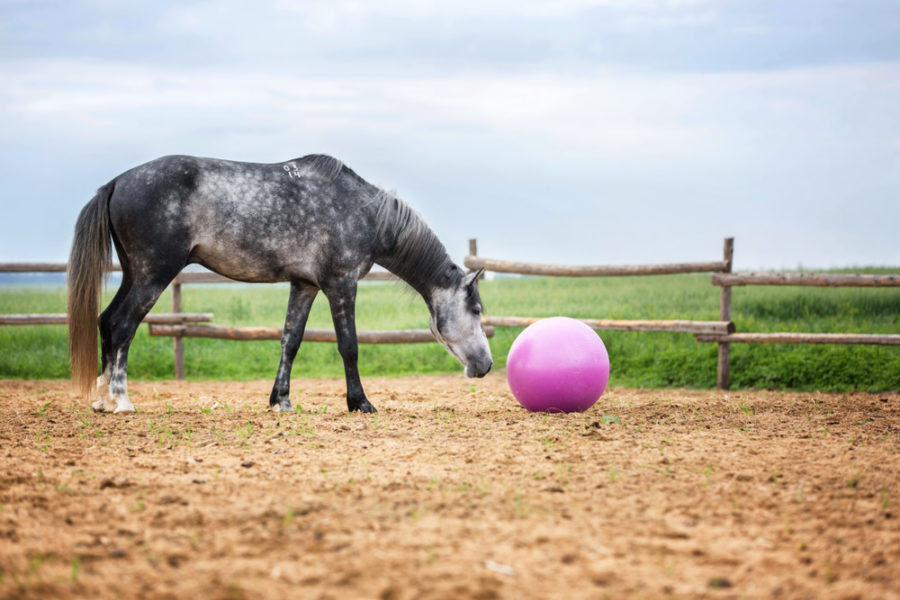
451, 491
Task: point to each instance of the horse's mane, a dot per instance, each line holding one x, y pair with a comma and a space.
321, 165
410, 249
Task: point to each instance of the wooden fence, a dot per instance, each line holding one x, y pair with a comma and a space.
179, 325
721, 327
729, 280
723, 331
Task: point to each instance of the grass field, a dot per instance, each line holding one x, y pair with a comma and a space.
638, 359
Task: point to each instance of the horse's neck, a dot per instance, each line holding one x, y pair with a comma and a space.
418, 276
418, 258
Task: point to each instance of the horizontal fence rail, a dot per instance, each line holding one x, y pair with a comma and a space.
696, 327
504, 266
210, 277
805, 279
389, 336
877, 339
183, 277
62, 319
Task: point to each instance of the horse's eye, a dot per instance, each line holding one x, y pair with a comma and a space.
477, 309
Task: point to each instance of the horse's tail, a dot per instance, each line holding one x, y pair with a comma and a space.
89, 260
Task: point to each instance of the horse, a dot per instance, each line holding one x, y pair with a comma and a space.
311, 221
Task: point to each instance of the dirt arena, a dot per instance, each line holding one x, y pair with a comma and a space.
451, 491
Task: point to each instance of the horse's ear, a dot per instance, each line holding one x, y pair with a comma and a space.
474, 276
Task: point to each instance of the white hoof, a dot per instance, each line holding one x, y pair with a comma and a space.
124, 405
104, 404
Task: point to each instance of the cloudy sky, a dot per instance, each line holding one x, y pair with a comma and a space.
566, 131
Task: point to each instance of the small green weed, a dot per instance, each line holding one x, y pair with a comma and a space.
246, 430
42, 440
707, 474
519, 504
613, 473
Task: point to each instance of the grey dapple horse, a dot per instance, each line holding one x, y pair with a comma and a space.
311, 221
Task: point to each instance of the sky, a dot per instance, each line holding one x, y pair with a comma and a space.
568, 132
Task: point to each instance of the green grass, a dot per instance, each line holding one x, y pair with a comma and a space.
638, 359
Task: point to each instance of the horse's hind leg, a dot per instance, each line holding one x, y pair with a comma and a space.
105, 401
121, 323
301, 299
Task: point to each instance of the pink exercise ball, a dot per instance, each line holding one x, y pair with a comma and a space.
557, 365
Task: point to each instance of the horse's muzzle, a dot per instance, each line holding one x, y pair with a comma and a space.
479, 368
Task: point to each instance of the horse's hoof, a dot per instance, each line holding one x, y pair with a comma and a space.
102, 406
285, 407
365, 407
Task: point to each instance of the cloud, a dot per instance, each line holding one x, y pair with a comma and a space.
525, 121
693, 35
328, 10
626, 118
374, 39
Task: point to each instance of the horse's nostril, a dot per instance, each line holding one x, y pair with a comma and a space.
487, 370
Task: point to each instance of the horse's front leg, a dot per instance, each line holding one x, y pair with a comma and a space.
299, 303
342, 299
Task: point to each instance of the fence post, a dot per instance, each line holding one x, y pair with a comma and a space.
473, 247
178, 340
723, 375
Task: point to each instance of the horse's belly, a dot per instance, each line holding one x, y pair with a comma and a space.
265, 267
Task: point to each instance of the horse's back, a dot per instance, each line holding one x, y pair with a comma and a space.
252, 221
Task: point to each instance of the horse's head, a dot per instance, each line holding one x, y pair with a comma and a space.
456, 323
